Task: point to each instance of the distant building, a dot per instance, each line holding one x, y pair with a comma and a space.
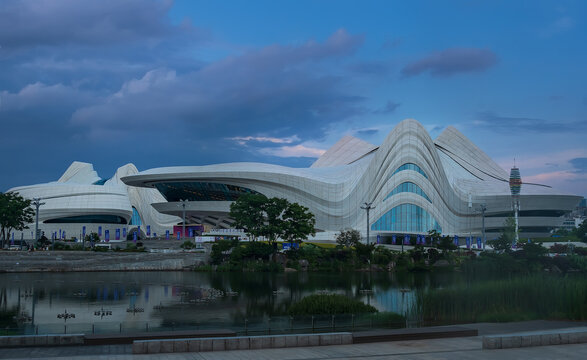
80, 198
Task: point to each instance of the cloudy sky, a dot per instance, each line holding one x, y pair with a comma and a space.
164, 83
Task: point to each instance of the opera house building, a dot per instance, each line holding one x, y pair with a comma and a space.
414, 184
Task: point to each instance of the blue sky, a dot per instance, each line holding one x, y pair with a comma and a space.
163, 83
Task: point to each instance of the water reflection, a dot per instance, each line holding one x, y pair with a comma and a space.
164, 299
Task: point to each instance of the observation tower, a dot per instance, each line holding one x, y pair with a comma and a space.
515, 187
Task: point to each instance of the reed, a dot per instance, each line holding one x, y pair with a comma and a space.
514, 299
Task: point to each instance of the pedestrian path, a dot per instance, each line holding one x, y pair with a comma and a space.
453, 348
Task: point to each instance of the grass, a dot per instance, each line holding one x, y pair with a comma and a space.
514, 299
330, 305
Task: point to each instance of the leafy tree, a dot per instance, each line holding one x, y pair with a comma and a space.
274, 211
299, 223
581, 231
504, 242
445, 244
348, 238
15, 213
247, 212
272, 218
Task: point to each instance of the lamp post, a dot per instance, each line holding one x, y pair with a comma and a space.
482, 208
183, 204
37, 202
368, 207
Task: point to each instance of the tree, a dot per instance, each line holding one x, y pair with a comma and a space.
272, 218
581, 231
299, 223
446, 243
247, 212
274, 211
15, 213
504, 242
348, 238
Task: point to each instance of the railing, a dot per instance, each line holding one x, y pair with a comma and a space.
245, 326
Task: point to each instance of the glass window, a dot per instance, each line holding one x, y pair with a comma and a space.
410, 166
408, 218
201, 191
88, 219
408, 187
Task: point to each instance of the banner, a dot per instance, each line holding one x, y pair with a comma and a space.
456, 240
99, 231
148, 230
63, 234
166, 234
393, 239
124, 233
191, 232
12, 240
478, 243
406, 239
117, 234
178, 234
83, 232
134, 236
107, 235
468, 241
378, 238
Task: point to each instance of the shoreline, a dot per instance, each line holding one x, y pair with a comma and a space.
90, 261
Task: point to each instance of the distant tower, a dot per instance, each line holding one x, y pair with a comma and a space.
515, 187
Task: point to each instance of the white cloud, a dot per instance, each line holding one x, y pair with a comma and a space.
242, 140
293, 151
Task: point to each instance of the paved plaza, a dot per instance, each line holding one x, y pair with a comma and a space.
454, 348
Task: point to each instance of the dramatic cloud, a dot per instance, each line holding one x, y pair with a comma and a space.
270, 88
579, 165
509, 124
367, 132
389, 108
27, 23
452, 61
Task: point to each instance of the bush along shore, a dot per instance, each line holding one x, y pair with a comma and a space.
232, 255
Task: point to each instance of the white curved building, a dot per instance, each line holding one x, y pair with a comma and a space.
80, 198
415, 184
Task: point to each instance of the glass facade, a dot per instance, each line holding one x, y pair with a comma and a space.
529, 213
136, 217
410, 166
406, 218
88, 219
201, 191
408, 187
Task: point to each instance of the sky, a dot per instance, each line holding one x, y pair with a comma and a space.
167, 83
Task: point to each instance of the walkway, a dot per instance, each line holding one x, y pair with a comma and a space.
455, 348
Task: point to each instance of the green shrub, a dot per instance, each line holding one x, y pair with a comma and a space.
187, 245
329, 304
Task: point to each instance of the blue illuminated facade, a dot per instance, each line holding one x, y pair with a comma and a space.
408, 187
406, 218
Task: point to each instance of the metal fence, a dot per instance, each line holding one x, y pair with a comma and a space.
244, 326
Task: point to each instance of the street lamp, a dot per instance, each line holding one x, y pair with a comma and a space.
482, 208
37, 202
368, 207
183, 204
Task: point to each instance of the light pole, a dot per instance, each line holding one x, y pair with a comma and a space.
183, 204
37, 202
482, 208
368, 207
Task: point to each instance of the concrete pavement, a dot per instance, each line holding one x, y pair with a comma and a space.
454, 348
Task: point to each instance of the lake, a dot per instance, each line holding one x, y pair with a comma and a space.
103, 302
